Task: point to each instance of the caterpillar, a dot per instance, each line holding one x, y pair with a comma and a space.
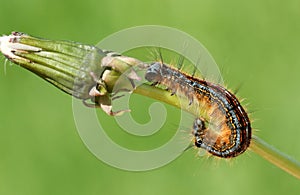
225, 130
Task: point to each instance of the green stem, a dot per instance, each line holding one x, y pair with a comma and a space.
164, 96
275, 157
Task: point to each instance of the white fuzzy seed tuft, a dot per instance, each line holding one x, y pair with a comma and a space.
9, 44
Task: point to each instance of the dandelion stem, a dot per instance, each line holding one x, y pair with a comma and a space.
275, 157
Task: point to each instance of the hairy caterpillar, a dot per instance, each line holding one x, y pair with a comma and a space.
225, 131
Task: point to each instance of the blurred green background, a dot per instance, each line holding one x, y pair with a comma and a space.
255, 43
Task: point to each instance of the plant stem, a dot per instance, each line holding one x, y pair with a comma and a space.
275, 157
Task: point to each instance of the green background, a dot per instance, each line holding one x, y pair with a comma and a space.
255, 43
